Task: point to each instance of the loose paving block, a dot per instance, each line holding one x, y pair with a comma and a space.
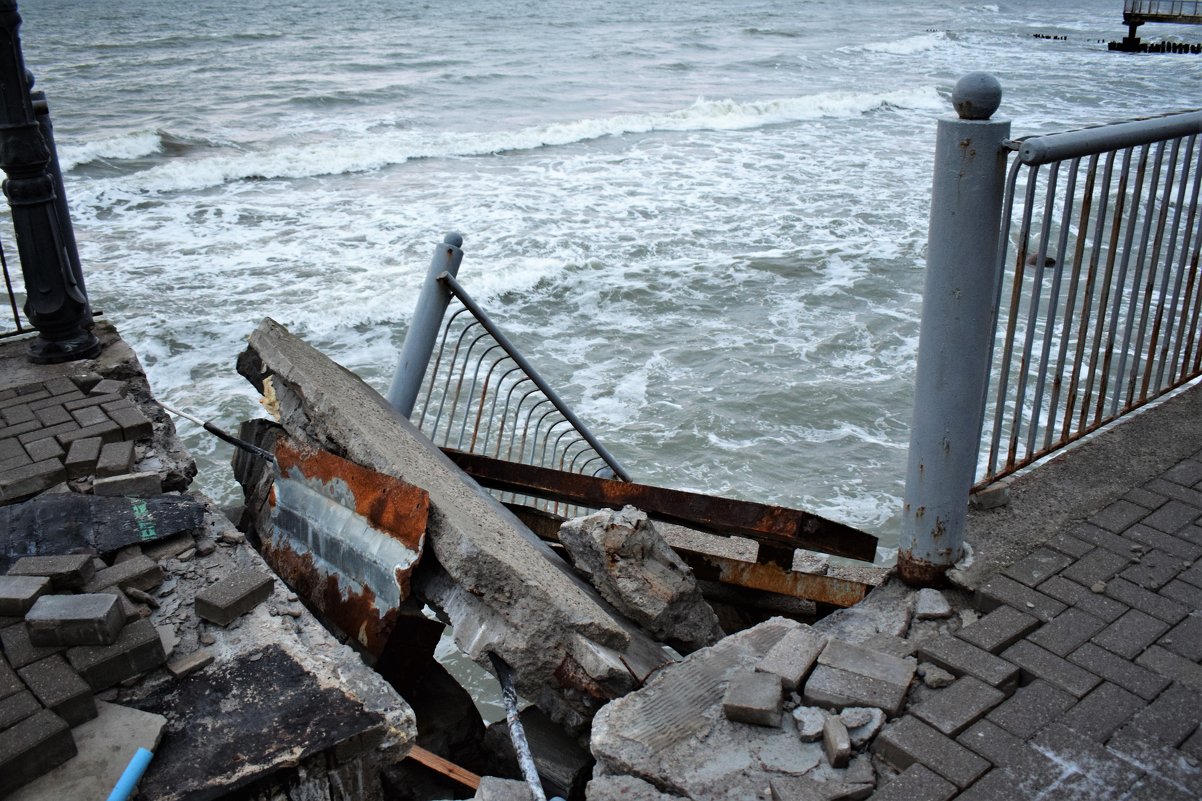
1097, 565
16, 708
754, 698
234, 595
30, 479
1073, 594
1101, 713
141, 573
836, 743
962, 658
1067, 631
169, 547
48, 431
81, 457
1031, 708
41, 450
866, 662
1037, 566
134, 424
109, 386
137, 650
910, 741
1001, 590
1143, 682
18, 593
185, 665
91, 619
916, 783
999, 629
834, 688
1039, 663
9, 682
957, 707
66, 572
116, 459
19, 651
32, 747
792, 657
60, 689
140, 485
1152, 603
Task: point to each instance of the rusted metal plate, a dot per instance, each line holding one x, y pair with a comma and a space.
345, 538
773, 578
775, 525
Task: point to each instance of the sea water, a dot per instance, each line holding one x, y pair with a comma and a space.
703, 221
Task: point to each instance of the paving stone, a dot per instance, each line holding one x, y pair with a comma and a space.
1068, 544
916, 783
1067, 631
16, 430
1171, 666
1002, 590
15, 415
754, 698
1190, 533
1102, 712
1131, 633
141, 485
55, 399
866, 662
1038, 565
41, 450
1152, 603
32, 747
836, 742
116, 459
1102, 539
19, 593
1175, 491
1144, 683
60, 689
963, 658
1097, 766
793, 656
1031, 708
233, 595
1152, 788
956, 708
30, 479
1183, 593
169, 547
1172, 717
1160, 761
134, 424
54, 415
1187, 473
187, 664
1179, 545
1097, 565
19, 651
9, 682
1145, 498
89, 416
999, 746
48, 431
137, 650
81, 456
12, 464
141, 573
1185, 639
91, 400
89, 619
909, 741
16, 707
108, 432
1173, 516
1118, 516
1039, 663
834, 688
1193, 574
1073, 594
1193, 745
66, 571
109, 386
1154, 570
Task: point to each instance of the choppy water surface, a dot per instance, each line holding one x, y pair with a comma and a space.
704, 221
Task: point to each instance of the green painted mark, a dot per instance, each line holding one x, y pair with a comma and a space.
143, 519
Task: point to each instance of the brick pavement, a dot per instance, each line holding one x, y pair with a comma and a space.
1103, 625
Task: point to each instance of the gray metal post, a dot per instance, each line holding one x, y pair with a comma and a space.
958, 311
423, 330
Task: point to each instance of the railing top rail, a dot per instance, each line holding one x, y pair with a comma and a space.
1038, 150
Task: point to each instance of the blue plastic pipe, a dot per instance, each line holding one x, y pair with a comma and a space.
132, 775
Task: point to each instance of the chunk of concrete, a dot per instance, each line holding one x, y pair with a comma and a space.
32, 747
493, 788
187, 664
18, 593
633, 568
811, 720
624, 788
233, 596
66, 572
88, 619
793, 656
753, 698
930, 604
836, 743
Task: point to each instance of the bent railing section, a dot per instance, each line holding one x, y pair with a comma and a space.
1100, 293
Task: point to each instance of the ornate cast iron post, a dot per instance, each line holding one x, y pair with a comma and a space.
55, 304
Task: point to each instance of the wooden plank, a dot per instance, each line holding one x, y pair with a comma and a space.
444, 767
772, 525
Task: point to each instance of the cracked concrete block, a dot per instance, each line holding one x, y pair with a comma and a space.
754, 698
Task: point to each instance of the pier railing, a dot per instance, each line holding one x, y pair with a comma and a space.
1060, 295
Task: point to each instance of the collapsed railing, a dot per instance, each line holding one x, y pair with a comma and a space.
1104, 299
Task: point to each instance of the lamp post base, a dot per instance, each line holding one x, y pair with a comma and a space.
83, 345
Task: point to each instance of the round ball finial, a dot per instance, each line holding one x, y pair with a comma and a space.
976, 96
454, 239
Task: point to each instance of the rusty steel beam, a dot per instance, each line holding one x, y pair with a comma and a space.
771, 525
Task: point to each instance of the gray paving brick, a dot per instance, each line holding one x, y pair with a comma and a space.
834, 688
1097, 565
1175, 491
1190, 534
87, 619
999, 590
1183, 593
242, 591
60, 689
134, 424
1193, 744
1137, 597
916, 783
25, 398
1102, 712
754, 698
137, 650
16, 430
82, 456
1185, 639
1037, 566
1031, 708
31, 748
66, 571
1131, 633
1102, 539
53, 415
999, 629
15, 415
141, 573
1171, 666
91, 400
1173, 516
1144, 683
55, 399
1038, 663
1145, 498
1097, 773
13, 464
9, 682
1067, 631
30, 479
10, 448
1193, 575
1152, 538
18, 594
1160, 761
1154, 570
953, 709
1153, 788
116, 458
1073, 594
109, 386
909, 741
1118, 515
60, 386
962, 658
89, 416
1172, 717
48, 431
16, 707
1187, 473
19, 651
790, 658
40, 450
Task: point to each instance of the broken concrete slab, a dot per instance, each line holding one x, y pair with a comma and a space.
624, 788
87, 619
624, 557
502, 589
105, 746
850, 675
885, 610
493, 788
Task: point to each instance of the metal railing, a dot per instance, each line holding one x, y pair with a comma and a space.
1158, 10
1100, 287
14, 299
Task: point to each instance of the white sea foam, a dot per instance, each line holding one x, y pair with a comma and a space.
903, 47
127, 146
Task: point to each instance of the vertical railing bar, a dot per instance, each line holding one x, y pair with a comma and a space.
433, 380
1154, 272
492, 412
1091, 278
1194, 339
505, 416
8, 283
483, 395
1186, 243
446, 390
525, 428
471, 392
1020, 262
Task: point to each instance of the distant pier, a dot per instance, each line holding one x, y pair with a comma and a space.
1137, 12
